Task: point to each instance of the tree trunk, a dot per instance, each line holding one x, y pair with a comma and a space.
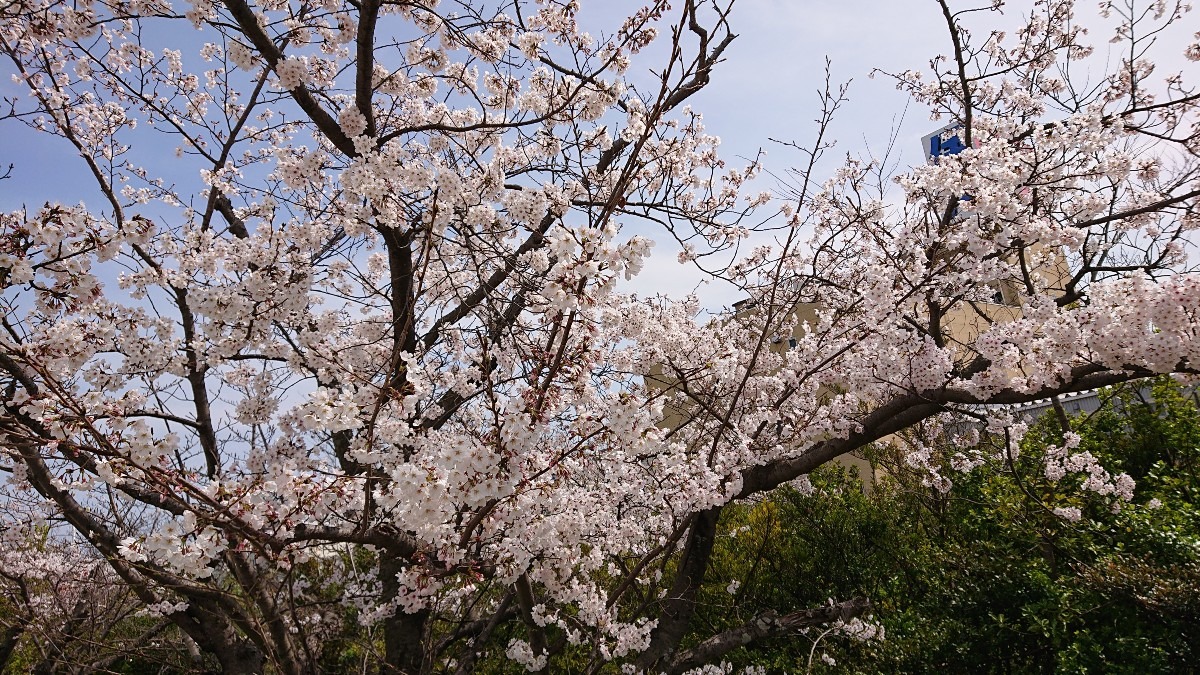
8, 643
217, 636
242, 659
680, 603
403, 633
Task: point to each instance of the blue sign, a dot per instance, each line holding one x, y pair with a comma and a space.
944, 141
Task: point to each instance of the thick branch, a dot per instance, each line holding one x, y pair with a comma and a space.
905, 411
398, 543
680, 603
766, 625
365, 66
898, 414
1149, 208
244, 16
535, 240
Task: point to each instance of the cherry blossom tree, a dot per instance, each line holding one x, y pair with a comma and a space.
62, 609
357, 352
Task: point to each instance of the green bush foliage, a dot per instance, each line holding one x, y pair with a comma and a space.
987, 577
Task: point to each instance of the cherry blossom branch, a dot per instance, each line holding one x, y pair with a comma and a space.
248, 22
767, 625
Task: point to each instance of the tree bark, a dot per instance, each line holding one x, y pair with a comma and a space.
217, 636
680, 603
403, 633
766, 625
8, 643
